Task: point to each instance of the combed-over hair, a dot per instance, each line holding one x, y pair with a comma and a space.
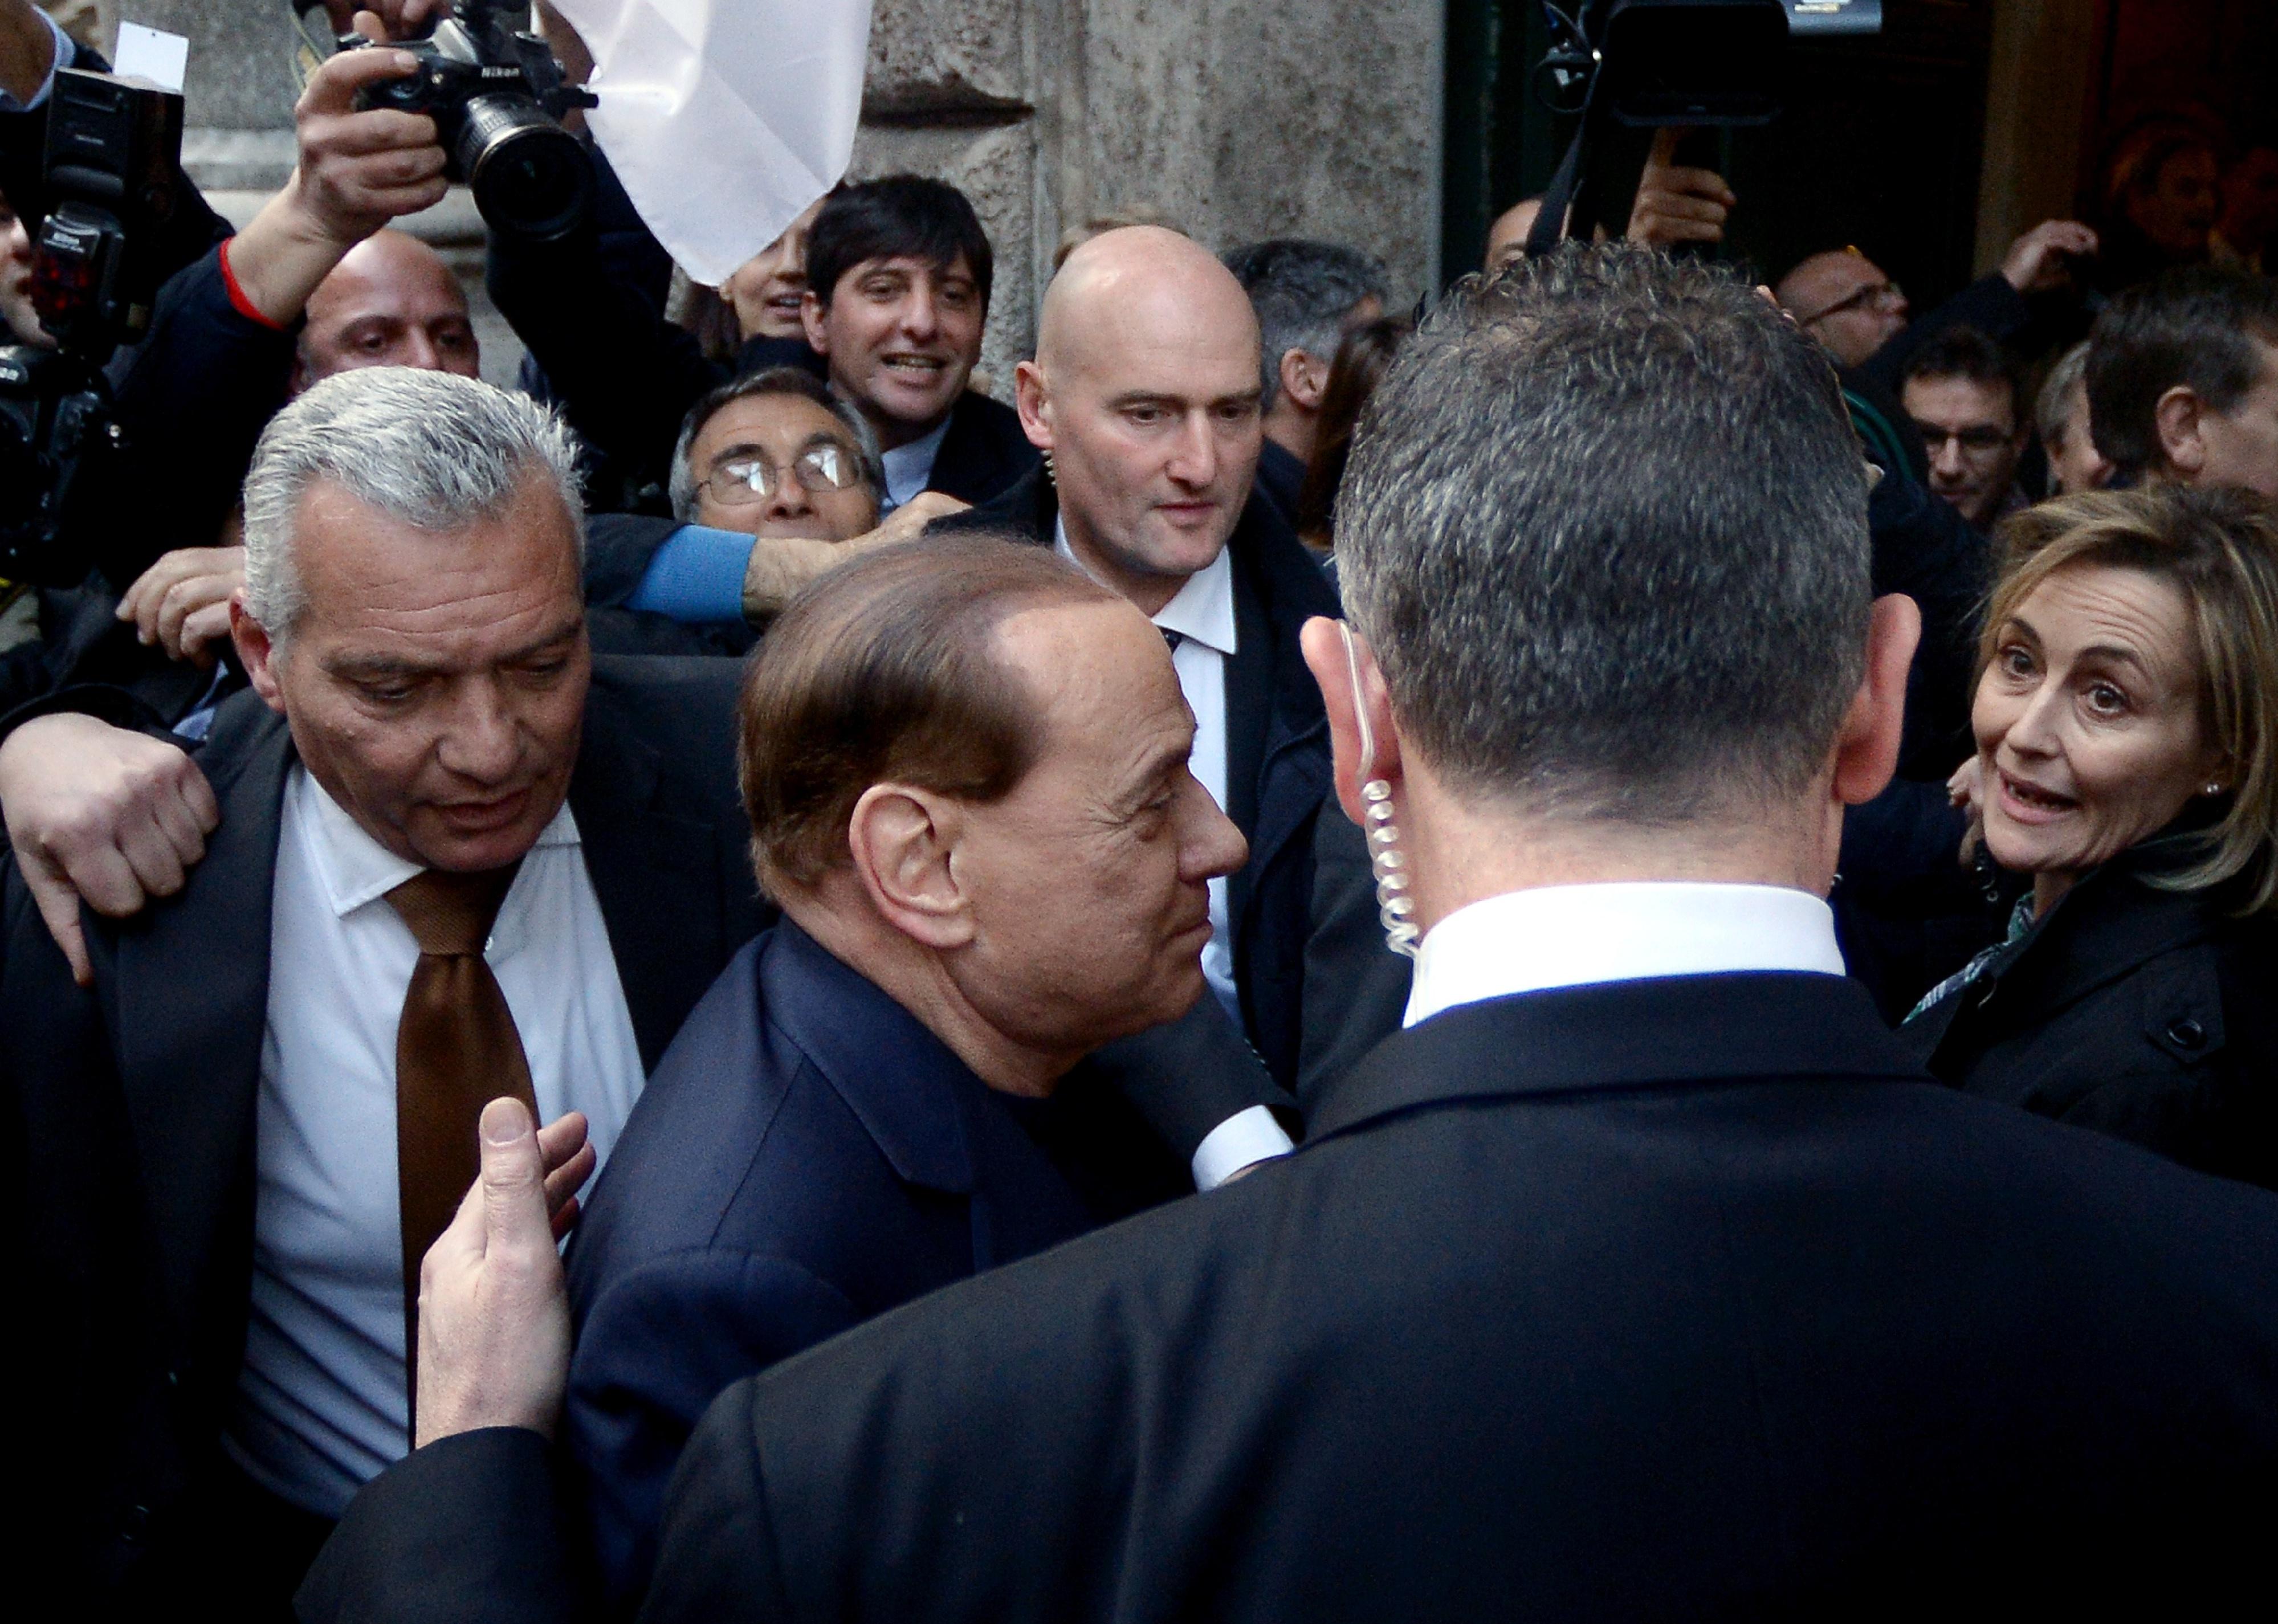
882, 671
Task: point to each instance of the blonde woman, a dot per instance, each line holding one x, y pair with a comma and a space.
2126, 704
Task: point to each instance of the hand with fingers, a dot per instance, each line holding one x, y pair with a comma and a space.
781, 565
181, 602
386, 19
1676, 203
358, 171
2041, 260
101, 814
493, 1311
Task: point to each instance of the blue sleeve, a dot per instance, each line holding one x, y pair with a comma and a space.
696, 576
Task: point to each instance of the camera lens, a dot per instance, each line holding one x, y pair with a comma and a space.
529, 176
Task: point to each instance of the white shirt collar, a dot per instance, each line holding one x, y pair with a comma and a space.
1202, 611
354, 868
1574, 935
909, 467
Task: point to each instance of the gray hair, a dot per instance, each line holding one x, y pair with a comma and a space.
1605, 527
2054, 409
1303, 293
430, 449
682, 485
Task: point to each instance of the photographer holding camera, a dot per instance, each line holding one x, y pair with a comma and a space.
311, 286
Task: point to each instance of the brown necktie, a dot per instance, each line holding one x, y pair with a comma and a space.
456, 1050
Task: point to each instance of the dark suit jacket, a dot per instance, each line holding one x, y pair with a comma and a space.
129, 1135
2146, 1013
807, 1155
1281, 477
1682, 1298
1277, 753
984, 454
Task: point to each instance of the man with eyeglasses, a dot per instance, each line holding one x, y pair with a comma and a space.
1859, 315
1963, 394
773, 458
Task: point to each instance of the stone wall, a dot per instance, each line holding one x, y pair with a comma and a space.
1239, 119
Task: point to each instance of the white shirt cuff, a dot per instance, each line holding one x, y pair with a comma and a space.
1242, 1140
62, 55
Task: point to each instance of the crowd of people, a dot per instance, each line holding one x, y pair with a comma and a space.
1603, 949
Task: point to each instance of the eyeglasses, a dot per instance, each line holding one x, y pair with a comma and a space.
1884, 295
826, 467
1982, 441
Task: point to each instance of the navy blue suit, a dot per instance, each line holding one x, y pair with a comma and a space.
807, 1155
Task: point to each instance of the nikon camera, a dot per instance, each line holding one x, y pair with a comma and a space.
496, 95
113, 174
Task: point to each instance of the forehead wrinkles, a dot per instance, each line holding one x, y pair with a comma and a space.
2083, 606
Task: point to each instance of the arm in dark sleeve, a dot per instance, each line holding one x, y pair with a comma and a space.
1926, 550
624, 376
653, 1352
1989, 304
1355, 986
192, 402
716, 1556
467, 1528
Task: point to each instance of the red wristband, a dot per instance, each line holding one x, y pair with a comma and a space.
237, 299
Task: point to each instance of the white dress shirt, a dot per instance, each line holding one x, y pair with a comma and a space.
1576, 936
909, 467
320, 1404
1202, 612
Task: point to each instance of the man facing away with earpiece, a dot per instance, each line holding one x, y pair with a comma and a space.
1642, 1274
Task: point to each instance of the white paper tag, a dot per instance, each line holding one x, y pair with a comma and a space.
148, 53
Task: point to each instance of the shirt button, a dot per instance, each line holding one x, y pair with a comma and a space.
2186, 1032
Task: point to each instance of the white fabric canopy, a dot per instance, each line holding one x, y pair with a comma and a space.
724, 118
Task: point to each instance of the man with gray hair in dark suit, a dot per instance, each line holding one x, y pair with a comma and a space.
1642, 1274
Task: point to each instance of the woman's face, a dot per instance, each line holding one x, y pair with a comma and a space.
2178, 207
2087, 721
766, 291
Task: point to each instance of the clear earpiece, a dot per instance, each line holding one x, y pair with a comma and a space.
1394, 905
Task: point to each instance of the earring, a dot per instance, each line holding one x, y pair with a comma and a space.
1390, 863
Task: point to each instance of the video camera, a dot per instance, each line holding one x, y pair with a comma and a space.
113, 172
1656, 64
497, 97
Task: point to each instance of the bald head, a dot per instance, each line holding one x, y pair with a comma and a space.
1845, 300
1136, 286
1144, 390
390, 302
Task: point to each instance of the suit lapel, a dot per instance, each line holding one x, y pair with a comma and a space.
657, 876
193, 1000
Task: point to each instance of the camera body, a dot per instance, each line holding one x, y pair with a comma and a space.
113, 172
496, 95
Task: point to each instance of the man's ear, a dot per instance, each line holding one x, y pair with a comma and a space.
2183, 441
903, 841
810, 317
1323, 647
1031, 400
255, 651
1303, 379
1867, 749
